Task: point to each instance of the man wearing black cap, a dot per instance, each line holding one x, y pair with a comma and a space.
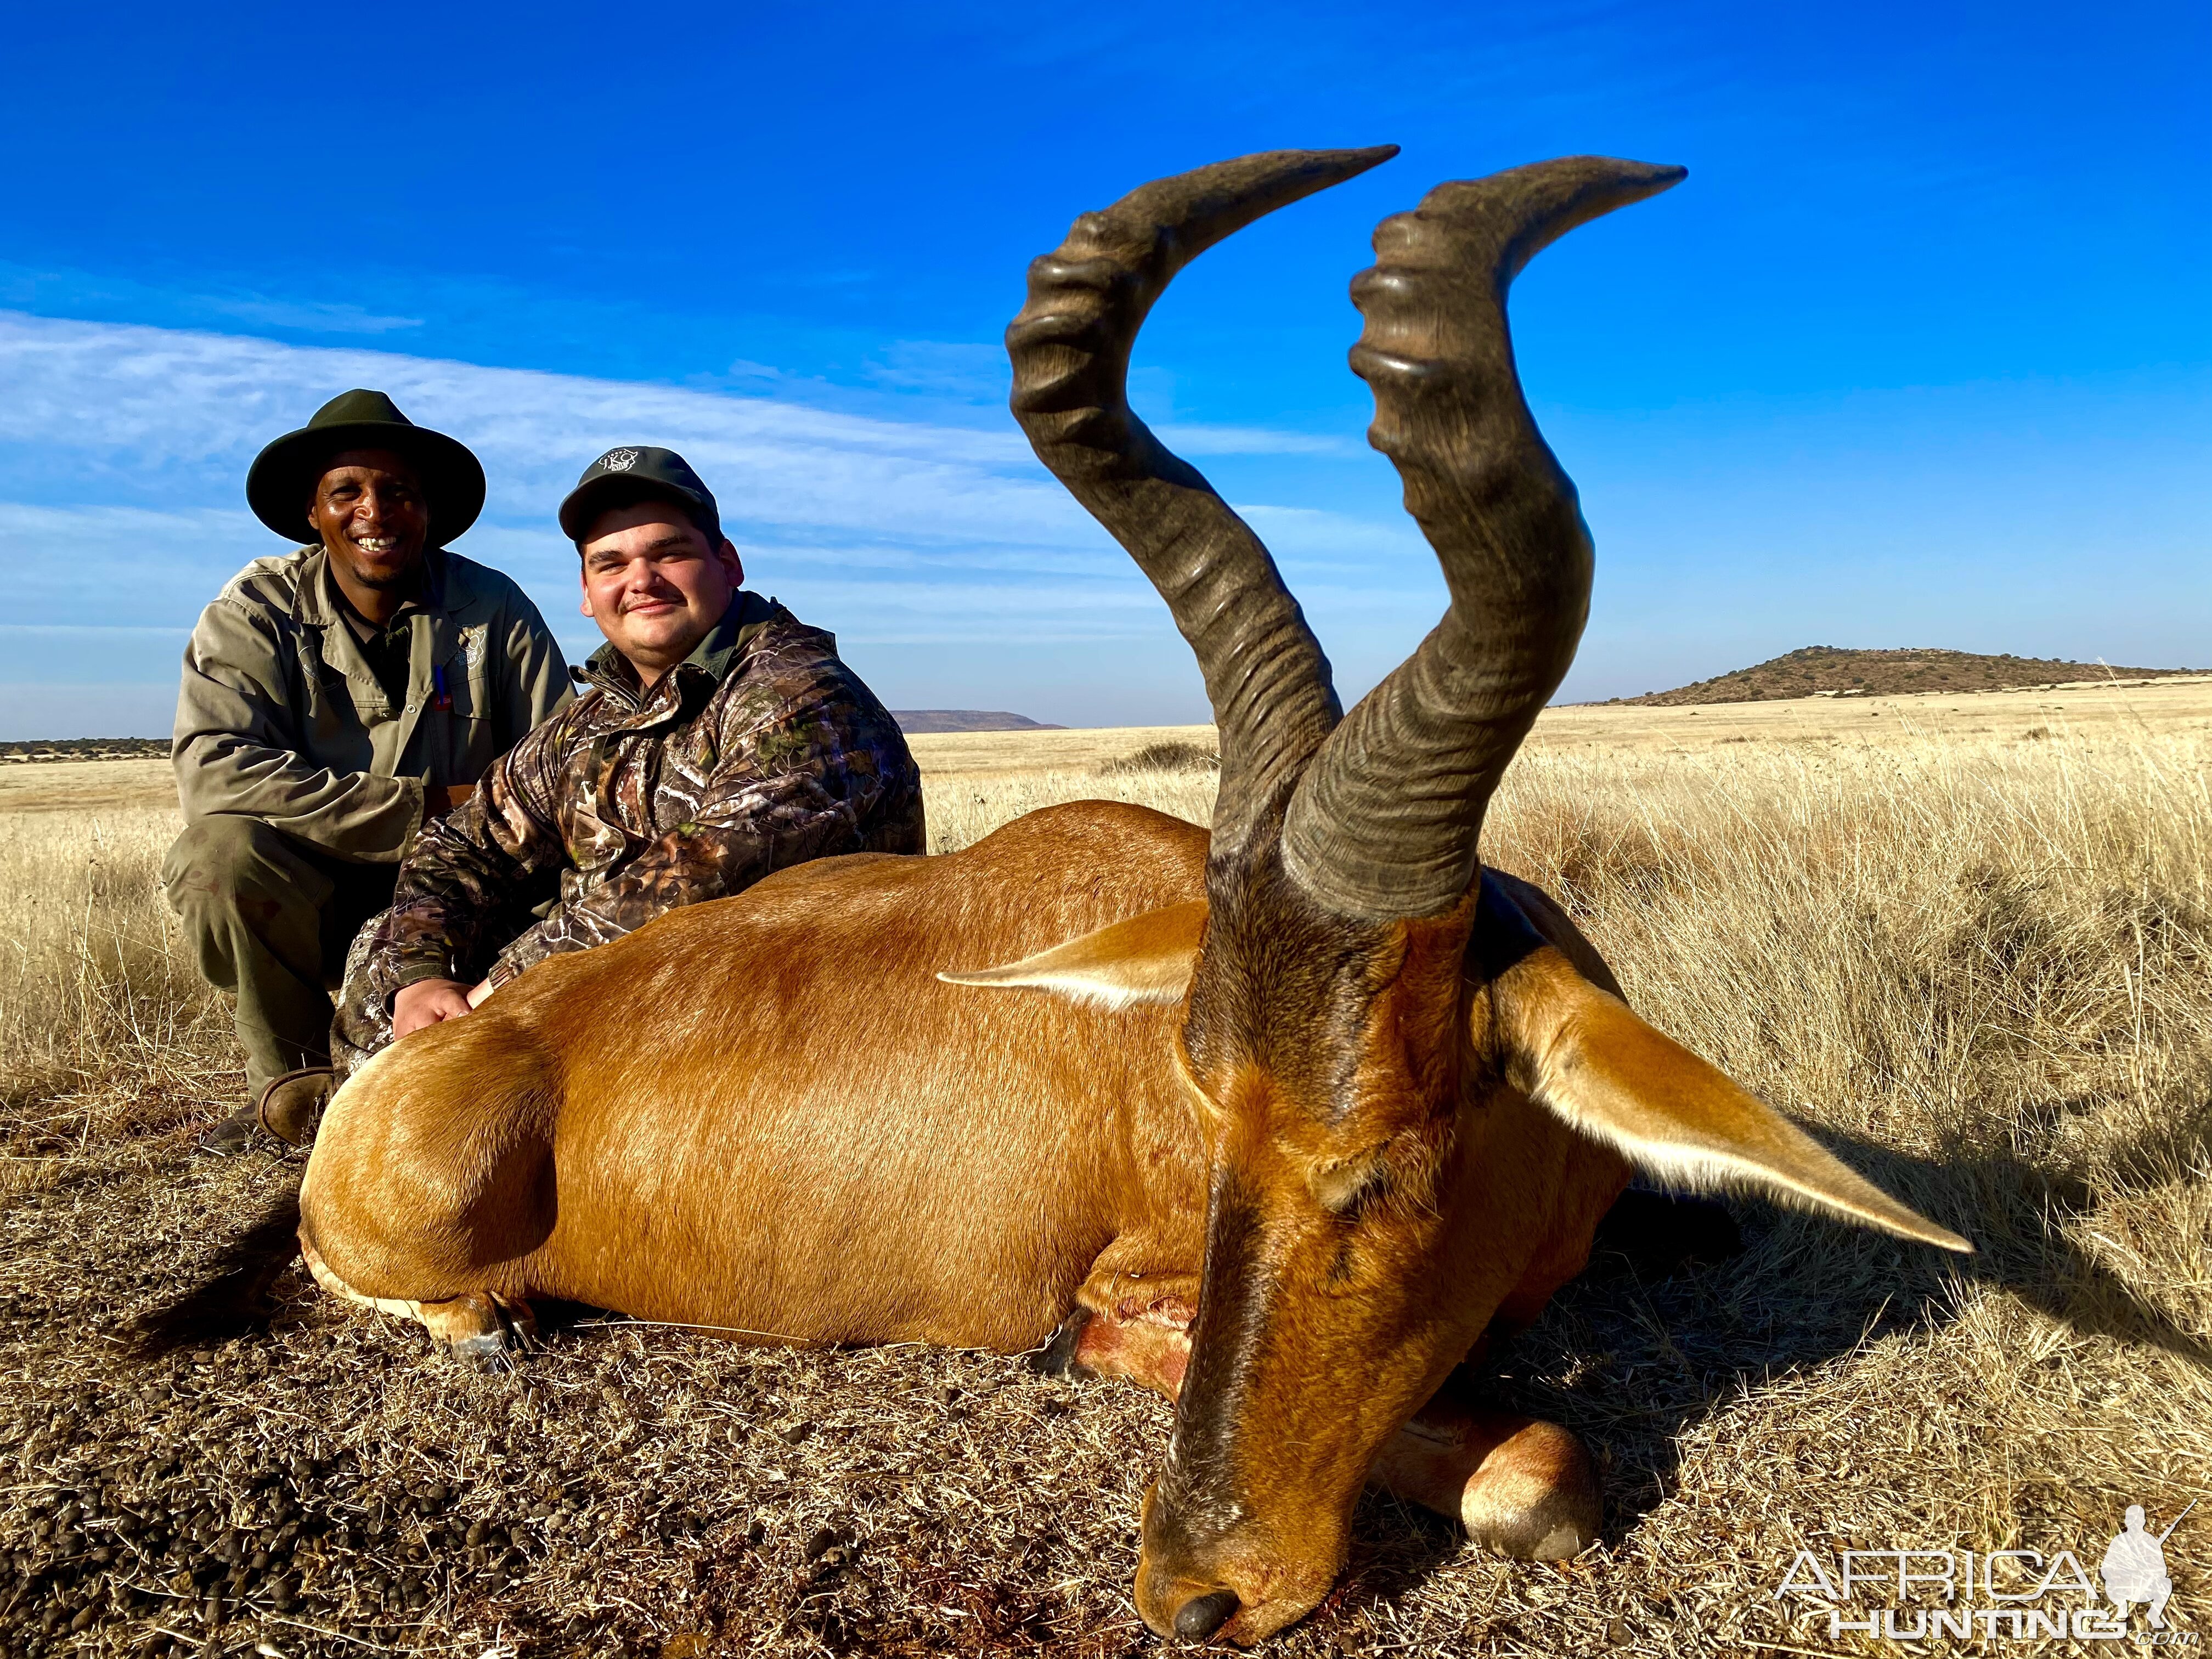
717, 738
336, 700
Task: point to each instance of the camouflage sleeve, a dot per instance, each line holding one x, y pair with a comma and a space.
808, 767
468, 874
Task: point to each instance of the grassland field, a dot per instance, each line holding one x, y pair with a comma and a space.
1967, 939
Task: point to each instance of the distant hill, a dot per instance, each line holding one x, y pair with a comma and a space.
916, 722
1828, 671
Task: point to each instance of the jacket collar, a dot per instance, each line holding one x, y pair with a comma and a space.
434, 636
315, 602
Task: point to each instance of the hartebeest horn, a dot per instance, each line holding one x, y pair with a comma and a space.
1386, 820
1265, 673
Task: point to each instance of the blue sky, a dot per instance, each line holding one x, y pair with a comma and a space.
1919, 356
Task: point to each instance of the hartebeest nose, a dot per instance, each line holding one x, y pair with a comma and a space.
1202, 1615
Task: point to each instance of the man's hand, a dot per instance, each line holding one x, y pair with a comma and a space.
441, 799
425, 1002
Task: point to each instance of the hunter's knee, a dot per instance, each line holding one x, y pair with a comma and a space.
219, 861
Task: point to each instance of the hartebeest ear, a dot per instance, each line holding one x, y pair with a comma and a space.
1578, 1052
1145, 959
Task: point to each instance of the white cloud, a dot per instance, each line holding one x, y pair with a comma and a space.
126, 447
110, 400
53, 288
311, 318
1393, 550
121, 567
954, 369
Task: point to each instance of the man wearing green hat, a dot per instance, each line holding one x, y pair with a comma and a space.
336, 700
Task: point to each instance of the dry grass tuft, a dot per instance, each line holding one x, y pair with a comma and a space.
1172, 757
103, 1017
1980, 969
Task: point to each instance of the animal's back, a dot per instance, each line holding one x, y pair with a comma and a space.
772, 1116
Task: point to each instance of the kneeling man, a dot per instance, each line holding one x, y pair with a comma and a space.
717, 738
335, 700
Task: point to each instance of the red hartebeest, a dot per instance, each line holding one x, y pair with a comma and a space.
1277, 1120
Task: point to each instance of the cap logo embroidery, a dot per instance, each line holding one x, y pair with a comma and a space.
618, 460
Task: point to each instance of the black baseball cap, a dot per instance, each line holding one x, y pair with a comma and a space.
634, 473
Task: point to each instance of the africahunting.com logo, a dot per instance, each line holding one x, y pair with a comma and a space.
1993, 1595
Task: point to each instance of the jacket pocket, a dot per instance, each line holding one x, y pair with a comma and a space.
474, 734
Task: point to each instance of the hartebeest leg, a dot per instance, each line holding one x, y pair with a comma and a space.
1519, 1485
475, 1328
1146, 1338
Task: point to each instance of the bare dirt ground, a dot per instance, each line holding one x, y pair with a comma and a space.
1966, 939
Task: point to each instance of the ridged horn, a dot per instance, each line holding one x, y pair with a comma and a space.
1386, 821
1265, 674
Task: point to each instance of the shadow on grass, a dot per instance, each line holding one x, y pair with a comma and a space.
1650, 1354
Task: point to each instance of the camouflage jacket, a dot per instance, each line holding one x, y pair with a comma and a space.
760, 750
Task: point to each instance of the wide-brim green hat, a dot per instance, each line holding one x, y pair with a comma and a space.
283, 475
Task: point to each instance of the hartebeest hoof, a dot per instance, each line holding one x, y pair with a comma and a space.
1057, 1356
1144, 1338
474, 1328
478, 1329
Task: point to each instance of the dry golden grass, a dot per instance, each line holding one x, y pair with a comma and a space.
1980, 963
944, 755
2127, 709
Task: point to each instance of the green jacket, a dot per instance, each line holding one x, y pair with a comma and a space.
281, 718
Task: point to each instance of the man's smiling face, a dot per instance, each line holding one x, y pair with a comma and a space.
654, 584
369, 512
